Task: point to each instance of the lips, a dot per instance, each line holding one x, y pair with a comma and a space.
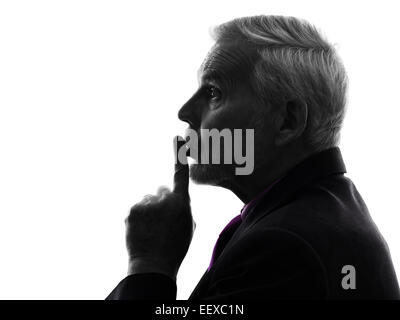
193, 136
187, 133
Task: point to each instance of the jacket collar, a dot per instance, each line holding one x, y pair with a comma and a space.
317, 166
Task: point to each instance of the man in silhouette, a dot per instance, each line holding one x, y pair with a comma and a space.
304, 231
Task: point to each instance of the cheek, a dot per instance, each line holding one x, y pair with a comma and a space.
215, 119
264, 135
230, 115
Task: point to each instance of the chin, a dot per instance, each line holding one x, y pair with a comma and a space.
211, 174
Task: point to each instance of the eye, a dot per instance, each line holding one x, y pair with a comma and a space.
214, 93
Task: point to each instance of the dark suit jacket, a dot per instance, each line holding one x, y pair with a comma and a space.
293, 244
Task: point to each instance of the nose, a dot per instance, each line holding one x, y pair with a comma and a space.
183, 115
189, 112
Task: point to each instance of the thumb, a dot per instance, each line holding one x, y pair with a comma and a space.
181, 175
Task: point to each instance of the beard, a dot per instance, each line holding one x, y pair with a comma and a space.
218, 174
211, 174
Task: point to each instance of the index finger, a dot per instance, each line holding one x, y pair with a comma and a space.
181, 175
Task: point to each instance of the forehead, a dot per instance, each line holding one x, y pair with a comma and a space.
227, 62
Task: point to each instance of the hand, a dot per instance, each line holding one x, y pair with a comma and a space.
159, 229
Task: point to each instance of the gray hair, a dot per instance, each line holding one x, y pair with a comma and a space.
294, 62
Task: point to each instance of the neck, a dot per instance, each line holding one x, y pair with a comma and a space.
247, 187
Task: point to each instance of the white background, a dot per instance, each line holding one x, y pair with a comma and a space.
89, 92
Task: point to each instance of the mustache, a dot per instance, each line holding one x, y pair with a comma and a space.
190, 130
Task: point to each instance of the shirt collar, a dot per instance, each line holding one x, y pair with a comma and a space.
250, 205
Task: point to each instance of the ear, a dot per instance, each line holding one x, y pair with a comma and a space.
291, 122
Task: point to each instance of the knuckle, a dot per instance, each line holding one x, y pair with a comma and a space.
163, 189
134, 210
147, 197
128, 220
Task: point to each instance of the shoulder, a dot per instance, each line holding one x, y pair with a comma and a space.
274, 262
330, 209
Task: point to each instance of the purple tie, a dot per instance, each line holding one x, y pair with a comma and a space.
231, 227
224, 237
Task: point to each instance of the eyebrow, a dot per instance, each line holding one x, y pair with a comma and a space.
210, 75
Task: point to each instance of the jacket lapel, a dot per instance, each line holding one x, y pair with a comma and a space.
319, 165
